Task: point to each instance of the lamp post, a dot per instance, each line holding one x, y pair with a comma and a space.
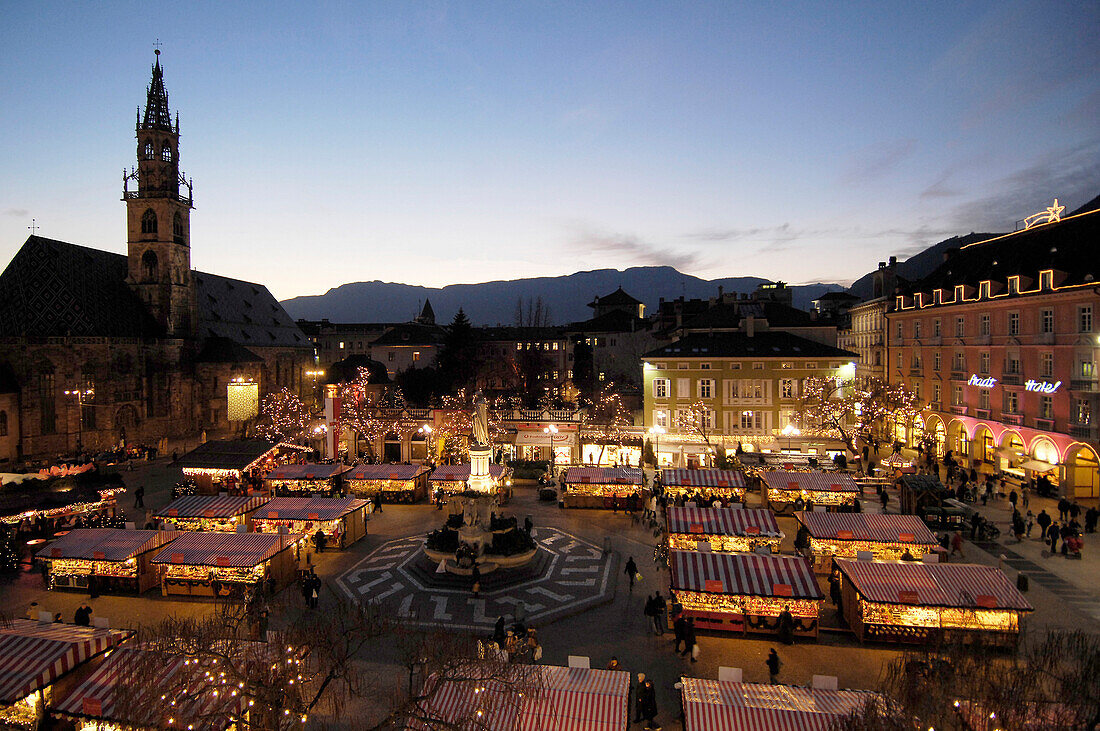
550, 431
315, 374
790, 430
656, 432
80, 394
426, 430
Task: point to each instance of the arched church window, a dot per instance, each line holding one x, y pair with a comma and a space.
149, 266
177, 228
148, 152
166, 153
149, 221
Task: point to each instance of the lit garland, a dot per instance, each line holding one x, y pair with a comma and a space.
83, 567
901, 615
818, 497
107, 501
708, 491
722, 543
757, 606
882, 551
608, 420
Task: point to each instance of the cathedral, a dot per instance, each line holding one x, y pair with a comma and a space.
97, 348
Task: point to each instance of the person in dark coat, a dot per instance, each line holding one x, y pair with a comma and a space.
638, 698
1043, 520
679, 629
647, 704
498, 629
1092, 515
689, 638
631, 571
139, 497
1053, 535
786, 626
660, 613
773, 662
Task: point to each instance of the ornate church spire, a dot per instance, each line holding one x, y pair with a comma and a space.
156, 104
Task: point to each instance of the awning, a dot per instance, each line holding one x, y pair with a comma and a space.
106, 544
715, 705
702, 478
236, 550
1038, 465
722, 521
604, 476
461, 472
308, 508
810, 481
867, 527
306, 472
33, 655
210, 506
385, 472
744, 574
933, 584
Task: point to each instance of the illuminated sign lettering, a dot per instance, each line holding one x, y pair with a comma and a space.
987, 382
1042, 386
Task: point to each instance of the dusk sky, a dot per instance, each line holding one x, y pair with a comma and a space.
435, 143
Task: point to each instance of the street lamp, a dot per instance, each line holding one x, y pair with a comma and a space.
315, 374
550, 431
426, 430
80, 394
790, 430
656, 432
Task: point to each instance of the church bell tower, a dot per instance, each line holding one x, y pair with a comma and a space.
158, 216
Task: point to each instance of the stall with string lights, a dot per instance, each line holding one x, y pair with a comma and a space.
226, 564
745, 592
34, 655
724, 530
709, 484
96, 505
210, 512
397, 483
927, 602
834, 490
113, 559
232, 464
451, 479
886, 537
302, 480
603, 487
341, 520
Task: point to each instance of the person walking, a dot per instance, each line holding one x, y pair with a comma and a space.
638, 698
1063, 509
1043, 521
679, 629
1052, 534
774, 664
957, 543
139, 497
1030, 524
885, 498
1092, 515
660, 614
631, 571
689, 639
647, 703
1012, 498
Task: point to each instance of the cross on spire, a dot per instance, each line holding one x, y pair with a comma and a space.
33, 227
156, 46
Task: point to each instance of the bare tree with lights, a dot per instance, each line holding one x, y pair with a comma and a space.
607, 420
284, 418
697, 421
855, 411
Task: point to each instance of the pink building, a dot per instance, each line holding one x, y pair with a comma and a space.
1001, 342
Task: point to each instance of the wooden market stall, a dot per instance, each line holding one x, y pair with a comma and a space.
745, 592
398, 483
127, 690
924, 602
603, 487
450, 479
725, 530
38, 505
706, 484
786, 461
34, 655
886, 537
226, 564
303, 480
235, 465
567, 699
104, 559
342, 520
210, 512
720, 705
834, 490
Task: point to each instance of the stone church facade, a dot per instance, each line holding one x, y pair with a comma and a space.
97, 347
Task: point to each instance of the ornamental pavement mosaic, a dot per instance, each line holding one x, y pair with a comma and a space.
568, 575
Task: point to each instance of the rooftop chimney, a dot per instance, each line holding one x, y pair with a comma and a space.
893, 261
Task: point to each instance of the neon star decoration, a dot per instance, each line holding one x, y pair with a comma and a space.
1052, 214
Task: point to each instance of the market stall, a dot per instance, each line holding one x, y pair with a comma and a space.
341, 520
35, 655
725, 530
38, 505
127, 690
210, 512
718, 705
603, 487
704, 485
924, 602
235, 465
303, 480
226, 564
398, 483
104, 559
451, 479
834, 490
886, 537
567, 699
745, 592
786, 461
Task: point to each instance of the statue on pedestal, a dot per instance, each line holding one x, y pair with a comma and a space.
481, 420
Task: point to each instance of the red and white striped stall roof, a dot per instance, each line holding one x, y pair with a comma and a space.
306, 471
33, 655
461, 472
106, 544
386, 471
210, 506
716, 705
702, 478
604, 475
111, 693
239, 550
722, 521
308, 508
933, 584
810, 481
568, 699
743, 574
867, 527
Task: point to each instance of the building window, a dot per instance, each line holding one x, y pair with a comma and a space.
1046, 407
1082, 413
984, 363
936, 360
959, 363
1012, 365
787, 388
936, 393
960, 326
660, 388
898, 331
1014, 323
983, 399
341, 345
915, 363
149, 267
735, 366
416, 354
660, 418
602, 375
1084, 318
1046, 280
936, 327
519, 346
555, 346
983, 325
149, 221
147, 152
811, 366
917, 389
916, 328
166, 153
177, 229
706, 388
751, 420
683, 366
1046, 364
957, 396
1087, 369
1046, 321
391, 356
704, 366
1012, 402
